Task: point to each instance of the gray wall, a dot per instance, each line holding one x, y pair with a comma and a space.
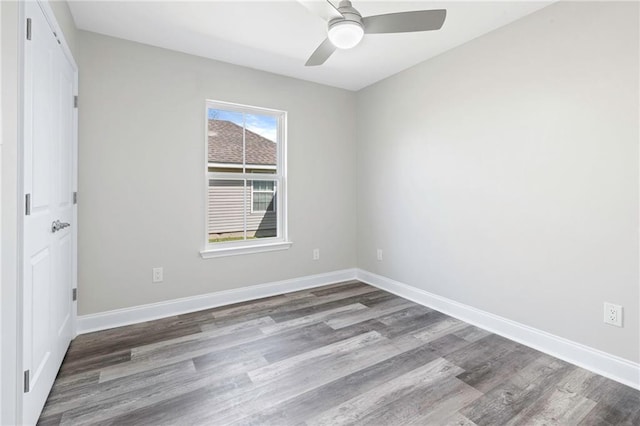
141, 175
504, 173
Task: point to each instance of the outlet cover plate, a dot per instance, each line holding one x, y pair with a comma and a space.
158, 275
613, 314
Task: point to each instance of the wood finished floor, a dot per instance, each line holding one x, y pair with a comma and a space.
341, 354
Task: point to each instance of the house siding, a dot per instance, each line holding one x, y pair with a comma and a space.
226, 208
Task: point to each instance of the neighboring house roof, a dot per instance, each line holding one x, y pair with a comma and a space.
225, 145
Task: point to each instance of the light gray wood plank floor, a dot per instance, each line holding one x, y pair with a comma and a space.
336, 355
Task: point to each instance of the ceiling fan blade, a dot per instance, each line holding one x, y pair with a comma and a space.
323, 8
321, 54
404, 22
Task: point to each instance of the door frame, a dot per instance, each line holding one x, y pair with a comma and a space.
51, 19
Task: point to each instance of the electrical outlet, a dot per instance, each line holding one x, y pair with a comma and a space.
613, 314
316, 254
157, 275
379, 254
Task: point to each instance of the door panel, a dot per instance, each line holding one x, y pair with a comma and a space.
39, 305
49, 169
42, 62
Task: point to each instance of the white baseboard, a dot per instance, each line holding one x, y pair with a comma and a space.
611, 366
137, 314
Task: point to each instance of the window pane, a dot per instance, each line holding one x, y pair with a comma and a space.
261, 143
263, 185
262, 201
224, 138
226, 210
262, 219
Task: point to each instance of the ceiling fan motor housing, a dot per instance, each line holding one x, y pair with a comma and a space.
348, 12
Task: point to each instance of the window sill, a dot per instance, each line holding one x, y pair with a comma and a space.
209, 253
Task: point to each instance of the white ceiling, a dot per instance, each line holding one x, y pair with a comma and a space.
279, 36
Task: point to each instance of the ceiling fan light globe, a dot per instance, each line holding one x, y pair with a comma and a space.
346, 34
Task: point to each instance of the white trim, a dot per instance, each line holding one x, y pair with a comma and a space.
22, 24
239, 166
611, 366
1, 258
241, 108
137, 314
246, 248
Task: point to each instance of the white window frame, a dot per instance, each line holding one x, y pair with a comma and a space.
280, 241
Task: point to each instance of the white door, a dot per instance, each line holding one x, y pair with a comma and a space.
49, 206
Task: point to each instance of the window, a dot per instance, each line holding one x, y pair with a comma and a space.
263, 196
246, 185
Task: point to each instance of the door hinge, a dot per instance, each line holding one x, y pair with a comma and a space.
74, 294
75, 197
27, 204
75, 101
26, 381
28, 28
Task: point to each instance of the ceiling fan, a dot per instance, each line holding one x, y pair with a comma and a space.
346, 26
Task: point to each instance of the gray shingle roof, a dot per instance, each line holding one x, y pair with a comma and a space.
225, 145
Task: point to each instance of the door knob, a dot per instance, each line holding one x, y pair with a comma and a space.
56, 225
